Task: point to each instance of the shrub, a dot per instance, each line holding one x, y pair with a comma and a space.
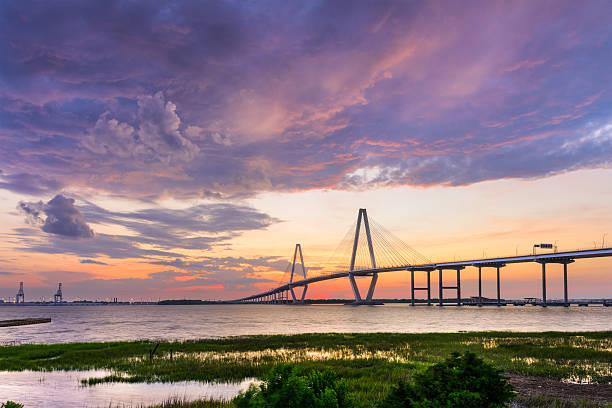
461, 381
284, 387
11, 404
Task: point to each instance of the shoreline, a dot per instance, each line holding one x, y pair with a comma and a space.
579, 302
369, 361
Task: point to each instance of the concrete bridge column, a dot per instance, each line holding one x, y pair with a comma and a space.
412, 287
565, 301
544, 284
372, 287
498, 288
440, 297
564, 262
458, 287
354, 287
479, 286
428, 288
292, 293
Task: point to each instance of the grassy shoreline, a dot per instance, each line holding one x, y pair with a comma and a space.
369, 362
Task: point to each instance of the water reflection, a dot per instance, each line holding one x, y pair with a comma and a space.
113, 323
64, 389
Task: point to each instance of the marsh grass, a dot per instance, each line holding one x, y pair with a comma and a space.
178, 403
369, 362
182, 403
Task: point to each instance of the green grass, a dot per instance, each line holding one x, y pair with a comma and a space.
369, 362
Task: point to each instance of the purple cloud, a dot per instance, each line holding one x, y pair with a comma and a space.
61, 217
157, 232
30, 184
157, 136
218, 99
91, 261
273, 263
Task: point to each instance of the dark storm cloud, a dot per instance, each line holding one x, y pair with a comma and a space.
227, 99
61, 217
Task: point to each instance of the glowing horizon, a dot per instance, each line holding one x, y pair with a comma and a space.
181, 151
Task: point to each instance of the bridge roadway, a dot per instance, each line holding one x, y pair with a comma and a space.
557, 257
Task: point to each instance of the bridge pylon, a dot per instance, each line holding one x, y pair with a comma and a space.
363, 216
298, 248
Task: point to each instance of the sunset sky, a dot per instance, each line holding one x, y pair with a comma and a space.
181, 149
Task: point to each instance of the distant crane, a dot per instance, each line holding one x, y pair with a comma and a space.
20, 297
58, 298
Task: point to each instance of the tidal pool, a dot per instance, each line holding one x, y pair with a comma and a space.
64, 389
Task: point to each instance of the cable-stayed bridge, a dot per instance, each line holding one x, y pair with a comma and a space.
370, 250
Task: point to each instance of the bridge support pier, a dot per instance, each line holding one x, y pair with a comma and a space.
372, 287
564, 262
355, 288
440, 294
457, 287
498, 267
479, 286
544, 284
427, 288
412, 288
498, 288
565, 301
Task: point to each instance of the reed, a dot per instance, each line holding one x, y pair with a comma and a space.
369, 362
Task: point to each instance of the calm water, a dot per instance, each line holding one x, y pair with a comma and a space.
64, 389
106, 323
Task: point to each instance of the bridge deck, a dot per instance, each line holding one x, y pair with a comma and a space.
541, 258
